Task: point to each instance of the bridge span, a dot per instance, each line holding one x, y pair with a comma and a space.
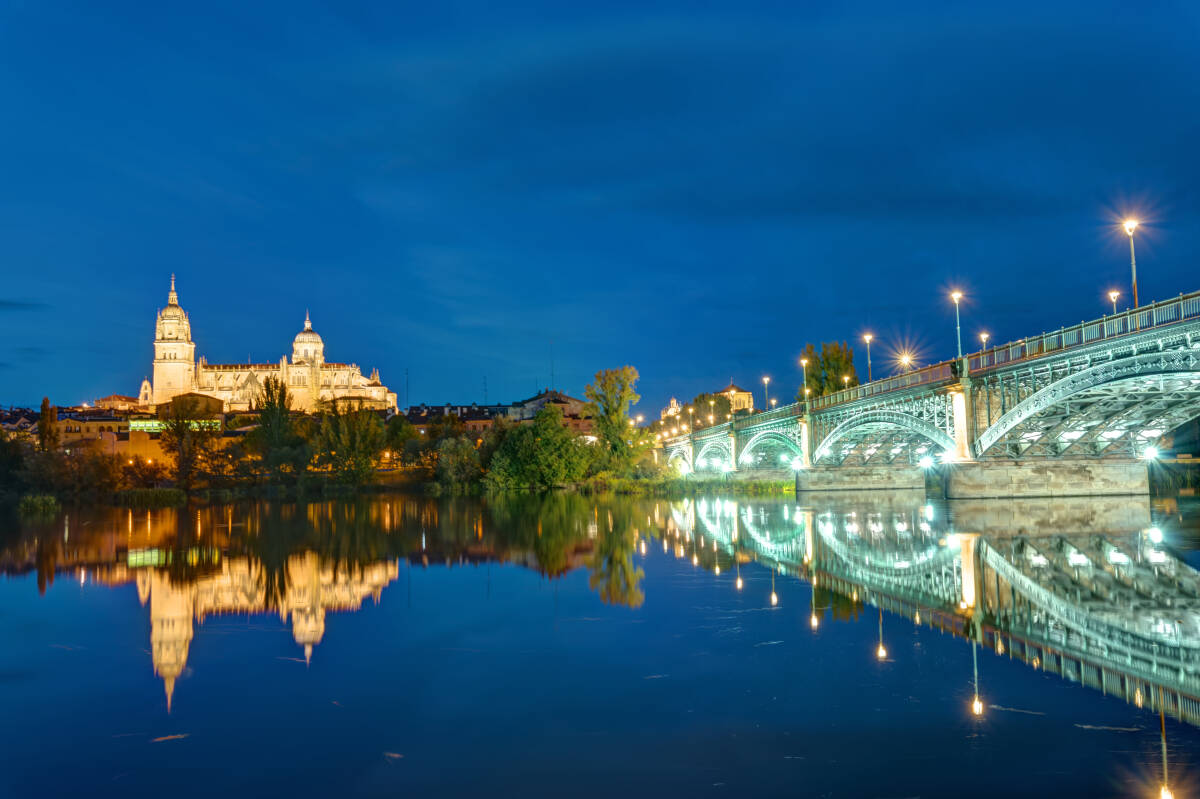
1077, 411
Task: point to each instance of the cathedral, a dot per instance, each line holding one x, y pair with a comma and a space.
309, 378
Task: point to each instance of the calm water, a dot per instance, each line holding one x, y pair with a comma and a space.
596, 647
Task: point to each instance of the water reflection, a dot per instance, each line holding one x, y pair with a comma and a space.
1086, 590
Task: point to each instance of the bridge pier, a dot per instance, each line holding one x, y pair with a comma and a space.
1068, 477
860, 478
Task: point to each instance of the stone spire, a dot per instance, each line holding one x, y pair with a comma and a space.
169, 685
307, 321
172, 297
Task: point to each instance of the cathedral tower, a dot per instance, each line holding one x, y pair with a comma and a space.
174, 352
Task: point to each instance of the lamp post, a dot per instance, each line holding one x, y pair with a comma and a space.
804, 378
983, 337
956, 296
1112, 295
766, 392
906, 361
867, 338
845, 381
1130, 226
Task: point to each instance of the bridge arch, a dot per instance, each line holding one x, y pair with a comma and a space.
720, 445
883, 419
772, 436
1153, 391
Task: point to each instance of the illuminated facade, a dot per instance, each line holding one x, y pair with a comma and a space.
310, 379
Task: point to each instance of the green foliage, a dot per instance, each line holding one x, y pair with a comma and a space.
47, 426
541, 454
610, 396
716, 405
150, 498
349, 443
826, 369
187, 443
399, 432
613, 575
457, 462
38, 505
278, 441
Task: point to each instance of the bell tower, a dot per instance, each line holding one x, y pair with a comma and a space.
174, 352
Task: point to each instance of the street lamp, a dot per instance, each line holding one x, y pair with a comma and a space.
766, 391
906, 360
1130, 226
956, 296
984, 337
1112, 295
845, 381
773, 402
867, 338
804, 378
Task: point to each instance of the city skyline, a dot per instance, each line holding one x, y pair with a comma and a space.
461, 197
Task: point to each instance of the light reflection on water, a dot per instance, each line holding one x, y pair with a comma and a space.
1090, 592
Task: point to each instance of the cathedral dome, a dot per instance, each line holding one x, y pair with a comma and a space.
172, 311
307, 346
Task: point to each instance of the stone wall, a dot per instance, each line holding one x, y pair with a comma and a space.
1051, 478
861, 478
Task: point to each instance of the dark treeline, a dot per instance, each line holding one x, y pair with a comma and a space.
338, 448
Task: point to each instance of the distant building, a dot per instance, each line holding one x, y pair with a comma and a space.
739, 398
671, 412
310, 379
117, 402
478, 418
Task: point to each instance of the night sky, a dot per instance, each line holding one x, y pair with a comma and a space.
461, 190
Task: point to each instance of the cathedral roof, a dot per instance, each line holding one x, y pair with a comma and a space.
307, 335
172, 311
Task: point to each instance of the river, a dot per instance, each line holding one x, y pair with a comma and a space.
843, 645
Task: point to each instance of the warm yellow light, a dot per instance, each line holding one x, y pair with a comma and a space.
881, 652
738, 583
956, 295
695, 560
1165, 793
984, 337
1112, 295
710, 418
807, 390
804, 361
766, 380
1130, 226
717, 570
813, 621
845, 380
977, 707
867, 338
774, 598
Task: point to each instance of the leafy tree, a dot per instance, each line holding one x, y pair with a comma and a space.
826, 369
47, 426
613, 574
541, 454
610, 396
720, 408
277, 440
399, 432
349, 442
187, 440
457, 462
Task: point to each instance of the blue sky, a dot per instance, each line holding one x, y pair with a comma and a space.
465, 189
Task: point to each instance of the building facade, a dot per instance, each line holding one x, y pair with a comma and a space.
310, 379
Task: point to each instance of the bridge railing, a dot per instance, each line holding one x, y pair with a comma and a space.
788, 411
1148, 317
918, 377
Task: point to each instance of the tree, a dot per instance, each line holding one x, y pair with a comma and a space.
277, 440
541, 454
610, 396
715, 405
826, 370
348, 443
47, 427
457, 462
186, 437
399, 432
613, 574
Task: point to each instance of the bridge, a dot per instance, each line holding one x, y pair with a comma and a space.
1098, 604
1068, 412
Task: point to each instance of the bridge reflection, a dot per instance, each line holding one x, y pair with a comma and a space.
1097, 598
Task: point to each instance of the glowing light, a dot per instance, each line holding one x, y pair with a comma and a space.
984, 337
1150, 453
1130, 225
717, 570
813, 621
956, 295
868, 337
881, 652
977, 707
738, 583
695, 560
1155, 535
1165, 793
926, 462
774, 598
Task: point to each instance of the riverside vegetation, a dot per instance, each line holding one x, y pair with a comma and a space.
344, 450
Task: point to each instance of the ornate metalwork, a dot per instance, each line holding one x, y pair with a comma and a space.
870, 421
